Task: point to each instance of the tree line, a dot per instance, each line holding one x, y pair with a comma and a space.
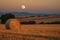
7, 16
33, 22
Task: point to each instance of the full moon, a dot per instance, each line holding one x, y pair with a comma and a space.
23, 6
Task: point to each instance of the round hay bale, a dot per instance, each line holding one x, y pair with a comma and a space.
13, 24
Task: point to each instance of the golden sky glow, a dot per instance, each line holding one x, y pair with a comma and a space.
31, 5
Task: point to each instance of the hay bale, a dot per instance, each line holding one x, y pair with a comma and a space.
13, 24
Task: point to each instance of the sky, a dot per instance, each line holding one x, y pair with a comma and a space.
34, 6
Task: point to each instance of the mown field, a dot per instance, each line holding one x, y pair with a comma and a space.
32, 32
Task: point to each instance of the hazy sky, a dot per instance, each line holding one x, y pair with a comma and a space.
36, 6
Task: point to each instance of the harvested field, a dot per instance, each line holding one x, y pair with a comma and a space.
33, 32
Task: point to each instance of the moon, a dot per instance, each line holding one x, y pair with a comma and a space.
23, 6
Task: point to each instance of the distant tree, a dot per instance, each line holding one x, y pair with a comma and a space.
47, 23
5, 17
38, 16
57, 22
32, 16
30, 22
41, 23
0, 17
25, 17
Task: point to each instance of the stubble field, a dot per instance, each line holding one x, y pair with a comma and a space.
33, 32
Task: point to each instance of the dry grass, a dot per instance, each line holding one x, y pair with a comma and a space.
33, 32
43, 29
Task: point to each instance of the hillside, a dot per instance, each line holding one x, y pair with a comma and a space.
18, 14
39, 19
